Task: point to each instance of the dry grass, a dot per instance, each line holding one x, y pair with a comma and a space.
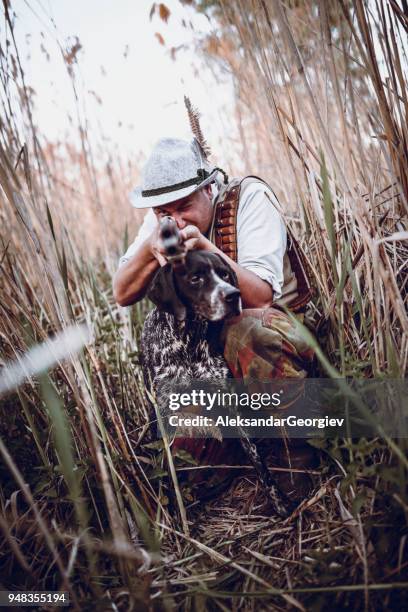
336, 153
85, 500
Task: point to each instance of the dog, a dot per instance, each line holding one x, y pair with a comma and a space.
181, 337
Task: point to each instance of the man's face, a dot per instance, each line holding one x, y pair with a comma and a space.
196, 209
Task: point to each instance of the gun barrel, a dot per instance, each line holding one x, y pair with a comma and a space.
171, 239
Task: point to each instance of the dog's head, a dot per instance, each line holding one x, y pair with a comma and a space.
205, 286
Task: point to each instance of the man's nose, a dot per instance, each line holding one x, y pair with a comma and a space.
181, 224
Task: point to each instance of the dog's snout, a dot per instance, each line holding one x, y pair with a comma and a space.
231, 295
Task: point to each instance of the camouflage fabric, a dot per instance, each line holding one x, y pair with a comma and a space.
259, 345
264, 344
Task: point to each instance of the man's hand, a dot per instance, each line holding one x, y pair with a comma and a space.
133, 278
156, 246
191, 236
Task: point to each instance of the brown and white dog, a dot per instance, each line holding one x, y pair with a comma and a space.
181, 338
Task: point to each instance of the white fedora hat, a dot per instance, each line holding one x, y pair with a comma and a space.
174, 169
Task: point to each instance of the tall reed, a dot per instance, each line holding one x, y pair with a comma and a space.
85, 503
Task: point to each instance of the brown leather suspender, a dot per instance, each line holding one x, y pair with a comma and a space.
225, 233
225, 224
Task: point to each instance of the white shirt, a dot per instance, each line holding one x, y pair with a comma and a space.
261, 234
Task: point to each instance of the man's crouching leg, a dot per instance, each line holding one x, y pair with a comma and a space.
262, 345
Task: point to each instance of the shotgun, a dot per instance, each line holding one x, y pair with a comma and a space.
174, 249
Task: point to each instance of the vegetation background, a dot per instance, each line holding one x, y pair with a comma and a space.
320, 110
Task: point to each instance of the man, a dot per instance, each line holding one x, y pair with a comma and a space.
261, 233
241, 222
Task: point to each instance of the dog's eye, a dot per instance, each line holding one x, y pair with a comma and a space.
196, 279
225, 274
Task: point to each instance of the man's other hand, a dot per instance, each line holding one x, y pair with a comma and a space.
156, 246
190, 235
192, 238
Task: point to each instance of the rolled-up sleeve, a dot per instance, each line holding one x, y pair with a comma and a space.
261, 235
147, 227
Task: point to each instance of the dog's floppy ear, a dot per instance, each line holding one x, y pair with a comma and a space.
163, 293
226, 265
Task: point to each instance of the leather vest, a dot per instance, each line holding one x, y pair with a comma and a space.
296, 290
